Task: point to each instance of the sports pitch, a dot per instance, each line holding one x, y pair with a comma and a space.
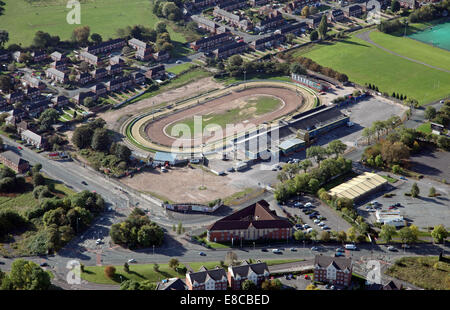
243, 109
22, 19
366, 63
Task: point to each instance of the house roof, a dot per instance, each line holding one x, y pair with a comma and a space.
13, 157
358, 186
285, 145
173, 284
245, 269
163, 156
230, 46
55, 72
204, 275
138, 43
257, 215
391, 286
340, 263
212, 38
270, 38
31, 135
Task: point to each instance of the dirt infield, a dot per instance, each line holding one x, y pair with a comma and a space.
292, 101
185, 91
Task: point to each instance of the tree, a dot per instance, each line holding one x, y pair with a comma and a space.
4, 37
299, 235
36, 168
407, 235
314, 35
415, 191
379, 160
394, 152
341, 236
27, 275
336, 147
82, 137
96, 38
430, 113
100, 139
81, 34
305, 11
235, 60
387, 233
313, 234
248, 285
432, 192
325, 236
297, 68
317, 152
305, 165
439, 233
395, 6
161, 27
38, 179
156, 267
323, 27
126, 267
351, 234
48, 118
173, 263
110, 271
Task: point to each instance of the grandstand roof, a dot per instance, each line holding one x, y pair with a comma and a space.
358, 186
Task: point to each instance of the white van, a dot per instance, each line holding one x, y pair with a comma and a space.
350, 246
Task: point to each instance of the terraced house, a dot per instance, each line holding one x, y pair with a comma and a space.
56, 75
230, 49
33, 82
231, 5
268, 42
210, 280
256, 273
105, 46
89, 58
254, 222
211, 42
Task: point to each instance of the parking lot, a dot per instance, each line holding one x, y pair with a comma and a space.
331, 219
422, 211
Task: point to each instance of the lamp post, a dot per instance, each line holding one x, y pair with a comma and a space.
153, 249
203, 168
245, 79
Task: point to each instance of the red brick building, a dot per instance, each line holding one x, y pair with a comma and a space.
14, 161
333, 270
210, 280
256, 273
254, 222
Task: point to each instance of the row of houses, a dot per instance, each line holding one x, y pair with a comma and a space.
233, 19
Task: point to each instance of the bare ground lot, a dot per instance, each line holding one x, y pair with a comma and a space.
432, 163
155, 130
189, 90
181, 184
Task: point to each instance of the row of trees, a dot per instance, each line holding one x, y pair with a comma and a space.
294, 183
236, 67
310, 64
137, 231
410, 234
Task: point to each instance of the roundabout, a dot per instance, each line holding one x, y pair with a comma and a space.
207, 122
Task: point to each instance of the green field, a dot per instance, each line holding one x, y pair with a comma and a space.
413, 49
96, 274
253, 107
365, 63
22, 20
425, 127
180, 68
425, 272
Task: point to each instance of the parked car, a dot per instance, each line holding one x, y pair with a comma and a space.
43, 265
84, 183
99, 241
340, 250
321, 224
298, 204
338, 254
276, 251
263, 250
350, 247
306, 226
202, 254
131, 260
293, 250
403, 178
308, 205
314, 248
391, 248
325, 227
316, 221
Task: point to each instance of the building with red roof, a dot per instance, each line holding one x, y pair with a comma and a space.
254, 222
